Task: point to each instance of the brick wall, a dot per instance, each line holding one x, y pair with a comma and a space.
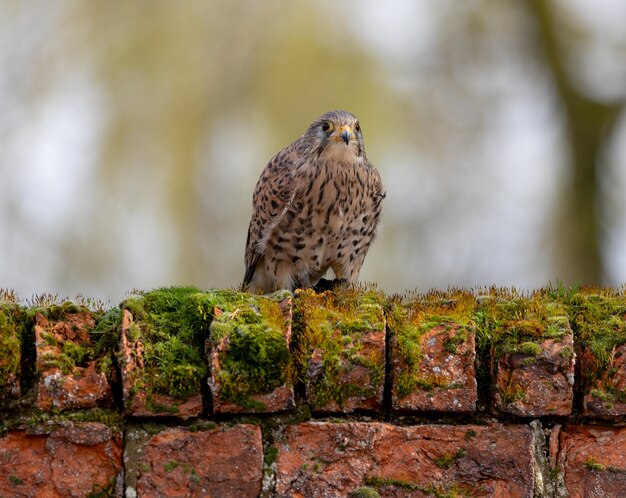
181, 392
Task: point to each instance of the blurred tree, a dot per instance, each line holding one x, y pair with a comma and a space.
589, 125
133, 134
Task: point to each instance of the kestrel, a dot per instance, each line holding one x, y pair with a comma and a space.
316, 206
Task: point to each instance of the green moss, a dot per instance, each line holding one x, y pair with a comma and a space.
193, 476
9, 349
451, 344
202, 425
616, 470
172, 330
600, 327
452, 314
377, 481
157, 407
337, 326
601, 395
111, 418
449, 490
60, 361
171, 465
518, 325
592, 464
257, 358
15, 480
271, 455
364, 492
470, 434
301, 414
529, 361
98, 346
527, 348
512, 393
49, 339
448, 459
555, 472
75, 352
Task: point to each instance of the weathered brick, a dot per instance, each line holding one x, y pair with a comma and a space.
533, 351
318, 459
593, 460
543, 386
225, 462
249, 360
77, 459
344, 347
438, 375
66, 380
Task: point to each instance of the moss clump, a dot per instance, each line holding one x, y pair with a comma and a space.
337, 329
249, 333
599, 323
9, 348
172, 331
518, 327
592, 464
450, 490
16, 481
448, 459
364, 492
512, 393
527, 348
376, 481
470, 434
271, 455
408, 321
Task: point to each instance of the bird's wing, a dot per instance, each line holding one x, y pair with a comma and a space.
273, 195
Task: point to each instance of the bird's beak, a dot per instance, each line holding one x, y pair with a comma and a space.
345, 133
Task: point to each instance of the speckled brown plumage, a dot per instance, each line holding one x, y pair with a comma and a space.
316, 206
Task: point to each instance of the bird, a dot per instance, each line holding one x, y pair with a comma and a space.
316, 206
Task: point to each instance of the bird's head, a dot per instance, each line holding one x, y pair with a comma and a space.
337, 134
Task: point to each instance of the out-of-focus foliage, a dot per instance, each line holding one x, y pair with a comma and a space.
132, 134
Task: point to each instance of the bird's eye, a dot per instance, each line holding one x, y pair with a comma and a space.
357, 127
327, 126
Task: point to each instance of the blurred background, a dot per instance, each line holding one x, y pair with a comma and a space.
132, 135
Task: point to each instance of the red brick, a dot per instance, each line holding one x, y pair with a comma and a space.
593, 460
445, 379
318, 459
224, 462
535, 385
75, 460
83, 386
